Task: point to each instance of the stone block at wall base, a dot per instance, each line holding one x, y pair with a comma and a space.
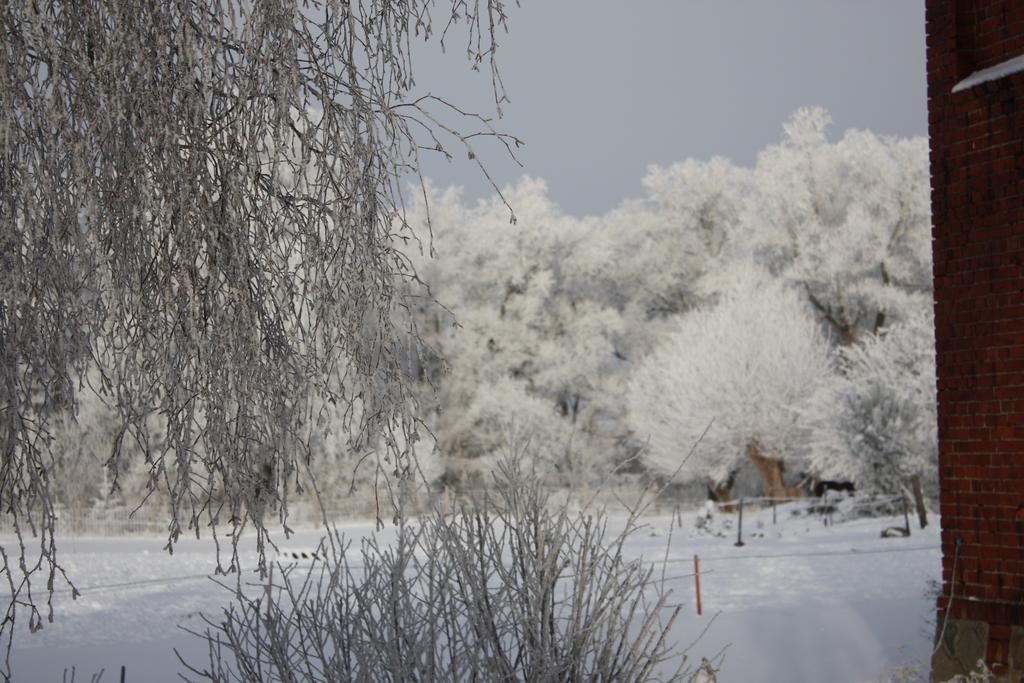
1016, 654
963, 644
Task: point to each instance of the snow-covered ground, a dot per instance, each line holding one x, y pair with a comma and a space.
799, 602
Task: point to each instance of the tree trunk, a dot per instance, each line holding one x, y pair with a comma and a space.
722, 493
770, 471
922, 514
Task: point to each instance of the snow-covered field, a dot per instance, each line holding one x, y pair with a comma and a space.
800, 602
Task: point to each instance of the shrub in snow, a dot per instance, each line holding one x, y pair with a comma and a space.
730, 382
509, 589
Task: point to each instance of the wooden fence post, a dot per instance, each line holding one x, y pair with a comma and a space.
696, 580
906, 514
270, 586
739, 528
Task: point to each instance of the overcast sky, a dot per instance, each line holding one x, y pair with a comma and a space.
600, 89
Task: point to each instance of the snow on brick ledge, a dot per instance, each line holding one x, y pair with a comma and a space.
1010, 66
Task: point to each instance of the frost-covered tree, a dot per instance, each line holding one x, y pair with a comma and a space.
80, 448
875, 424
739, 372
649, 258
564, 308
525, 349
344, 475
848, 222
202, 204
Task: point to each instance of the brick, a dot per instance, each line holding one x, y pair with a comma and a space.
977, 180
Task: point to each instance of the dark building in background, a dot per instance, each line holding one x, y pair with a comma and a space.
976, 127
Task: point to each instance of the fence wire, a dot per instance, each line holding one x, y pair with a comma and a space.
663, 562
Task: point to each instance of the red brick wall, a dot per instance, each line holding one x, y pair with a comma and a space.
977, 169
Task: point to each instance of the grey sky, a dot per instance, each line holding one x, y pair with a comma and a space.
601, 89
